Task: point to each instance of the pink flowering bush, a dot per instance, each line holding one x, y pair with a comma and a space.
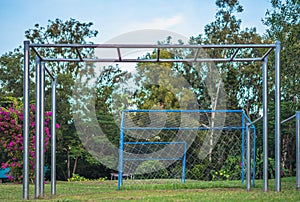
11, 138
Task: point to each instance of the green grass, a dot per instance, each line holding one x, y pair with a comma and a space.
162, 190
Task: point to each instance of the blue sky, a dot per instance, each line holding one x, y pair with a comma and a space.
114, 17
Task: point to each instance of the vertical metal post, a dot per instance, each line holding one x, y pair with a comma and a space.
37, 127
254, 156
121, 150
26, 100
53, 138
265, 124
277, 118
184, 163
243, 147
297, 150
42, 119
248, 157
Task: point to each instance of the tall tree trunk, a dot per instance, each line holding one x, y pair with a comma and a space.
75, 165
213, 116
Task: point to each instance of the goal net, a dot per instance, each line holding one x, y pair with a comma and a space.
158, 145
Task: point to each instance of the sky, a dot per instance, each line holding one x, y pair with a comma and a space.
113, 18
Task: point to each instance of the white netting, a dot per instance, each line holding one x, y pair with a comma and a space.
182, 144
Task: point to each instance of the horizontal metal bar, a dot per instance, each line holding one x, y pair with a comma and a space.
154, 142
151, 159
286, 120
153, 46
185, 128
115, 60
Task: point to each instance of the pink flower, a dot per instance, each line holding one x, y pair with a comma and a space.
48, 113
4, 165
11, 127
10, 177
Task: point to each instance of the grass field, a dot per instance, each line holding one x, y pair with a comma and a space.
163, 190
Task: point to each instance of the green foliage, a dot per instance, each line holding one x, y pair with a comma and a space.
11, 74
220, 175
11, 139
259, 166
231, 169
78, 178
197, 172
232, 165
68, 32
283, 23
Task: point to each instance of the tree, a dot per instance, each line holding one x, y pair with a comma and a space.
283, 23
11, 139
240, 82
11, 80
11, 68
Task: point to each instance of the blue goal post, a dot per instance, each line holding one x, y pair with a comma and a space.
145, 125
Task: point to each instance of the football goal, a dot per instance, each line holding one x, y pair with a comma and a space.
164, 145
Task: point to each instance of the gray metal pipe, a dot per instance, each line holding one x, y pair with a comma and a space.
288, 119
297, 150
53, 138
133, 60
248, 157
42, 128
154, 45
265, 124
26, 113
277, 118
37, 127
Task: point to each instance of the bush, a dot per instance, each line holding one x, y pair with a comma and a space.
78, 178
11, 138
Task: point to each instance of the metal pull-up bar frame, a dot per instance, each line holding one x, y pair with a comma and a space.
119, 56
197, 57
